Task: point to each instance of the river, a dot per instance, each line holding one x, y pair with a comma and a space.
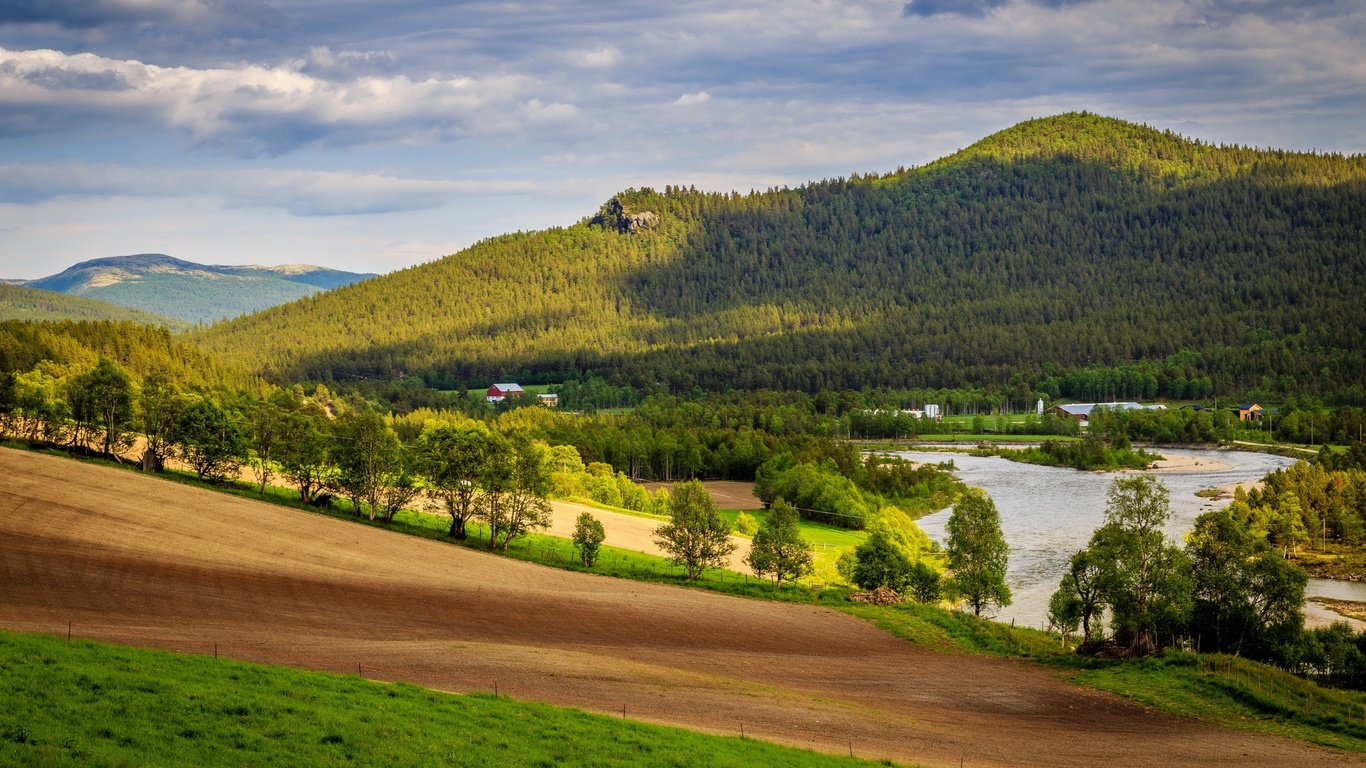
1048, 513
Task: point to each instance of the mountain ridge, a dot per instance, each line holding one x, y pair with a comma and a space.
1051, 246
189, 291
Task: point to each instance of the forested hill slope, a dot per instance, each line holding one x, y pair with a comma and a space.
19, 303
1060, 243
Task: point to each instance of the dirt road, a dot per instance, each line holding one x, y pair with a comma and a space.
140, 560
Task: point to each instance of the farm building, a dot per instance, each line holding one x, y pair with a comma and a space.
1082, 411
549, 399
498, 392
1249, 412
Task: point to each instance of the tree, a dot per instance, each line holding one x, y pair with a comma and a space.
452, 460
978, 554
879, 562
266, 433
778, 549
9, 401
159, 406
399, 487
209, 440
696, 536
1246, 597
923, 582
102, 402
305, 454
515, 481
588, 538
1078, 598
1146, 580
1064, 612
365, 451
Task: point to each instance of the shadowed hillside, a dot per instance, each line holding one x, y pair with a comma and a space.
1060, 243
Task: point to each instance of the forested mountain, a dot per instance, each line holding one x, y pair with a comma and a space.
1058, 244
19, 303
159, 284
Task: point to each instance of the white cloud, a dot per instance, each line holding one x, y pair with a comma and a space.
259, 108
689, 99
597, 58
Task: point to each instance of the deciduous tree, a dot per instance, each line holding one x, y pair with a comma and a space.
588, 537
452, 461
697, 536
1146, 578
209, 440
978, 553
778, 549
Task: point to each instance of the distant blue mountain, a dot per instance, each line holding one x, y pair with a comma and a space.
171, 287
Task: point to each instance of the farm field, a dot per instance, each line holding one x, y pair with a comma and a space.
728, 494
110, 705
136, 560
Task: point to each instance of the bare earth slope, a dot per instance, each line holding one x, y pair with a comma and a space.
140, 560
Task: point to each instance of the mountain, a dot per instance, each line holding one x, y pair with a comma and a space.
157, 283
1074, 253
19, 303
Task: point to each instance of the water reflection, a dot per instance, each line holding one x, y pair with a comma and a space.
1048, 513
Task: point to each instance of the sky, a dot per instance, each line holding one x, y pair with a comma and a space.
371, 136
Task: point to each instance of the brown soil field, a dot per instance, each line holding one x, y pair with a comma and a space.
629, 531
728, 494
134, 559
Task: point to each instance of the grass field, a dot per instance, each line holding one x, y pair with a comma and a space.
829, 542
84, 703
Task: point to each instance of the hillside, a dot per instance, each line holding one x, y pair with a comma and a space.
65, 346
19, 303
1058, 244
192, 292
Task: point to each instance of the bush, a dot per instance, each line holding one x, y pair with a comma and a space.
746, 524
588, 537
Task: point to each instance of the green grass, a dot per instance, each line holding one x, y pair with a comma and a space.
1234, 693
84, 703
1221, 690
990, 437
828, 542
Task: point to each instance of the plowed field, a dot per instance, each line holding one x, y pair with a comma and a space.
145, 561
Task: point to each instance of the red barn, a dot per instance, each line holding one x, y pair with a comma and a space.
497, 392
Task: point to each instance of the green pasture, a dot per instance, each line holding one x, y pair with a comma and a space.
828, 542
84, 703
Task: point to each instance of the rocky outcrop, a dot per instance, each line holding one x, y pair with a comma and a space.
614, 215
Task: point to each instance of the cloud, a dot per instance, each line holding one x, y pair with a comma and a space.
689, 99
260, 110
958, 7
300, 192
225, 15
598, 58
